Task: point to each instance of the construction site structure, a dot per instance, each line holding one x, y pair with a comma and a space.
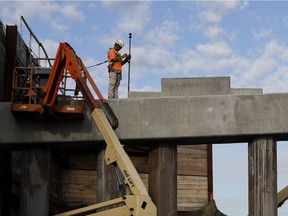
33, 98
29, 86
61, 107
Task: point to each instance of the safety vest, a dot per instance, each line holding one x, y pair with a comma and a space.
112, 53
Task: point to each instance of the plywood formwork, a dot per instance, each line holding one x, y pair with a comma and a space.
192, 178
79, 176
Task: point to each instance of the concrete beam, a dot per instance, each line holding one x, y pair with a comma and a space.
195, 87
204, 119
198, 119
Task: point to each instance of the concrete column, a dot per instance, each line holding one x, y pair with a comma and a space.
35, 181
163, 178
107, 187
262, 153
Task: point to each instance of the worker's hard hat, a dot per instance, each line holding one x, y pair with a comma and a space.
120, 43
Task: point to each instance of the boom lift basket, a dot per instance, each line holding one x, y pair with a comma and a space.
28, 94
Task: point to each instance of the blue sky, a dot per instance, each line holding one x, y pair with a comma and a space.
246, 40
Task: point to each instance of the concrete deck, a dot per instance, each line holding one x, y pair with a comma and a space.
218, 114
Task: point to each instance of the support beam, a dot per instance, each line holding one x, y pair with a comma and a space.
35, 181
262, 163
162, 181
216, 119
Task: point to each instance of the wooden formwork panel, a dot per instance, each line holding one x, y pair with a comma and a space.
192, 192
78, 187
79, 179
80, 176
192, 177
192, 160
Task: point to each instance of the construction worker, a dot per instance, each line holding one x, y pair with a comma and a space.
116, 61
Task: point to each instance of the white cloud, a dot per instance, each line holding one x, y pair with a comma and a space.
71, 12
213, 32
268, 70
214, 50
130, 16
214, 11
216, 32
244, 4
164, 35
210, 16
208, 20
136, 18
46, 11
156, 59
262, 34
51, 47
29, 10
59, 26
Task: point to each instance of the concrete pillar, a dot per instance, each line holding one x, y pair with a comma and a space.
262, 153
162, 182
107, 187
35, 181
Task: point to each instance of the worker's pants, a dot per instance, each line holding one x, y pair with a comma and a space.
114, 82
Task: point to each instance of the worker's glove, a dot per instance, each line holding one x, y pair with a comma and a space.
127, 59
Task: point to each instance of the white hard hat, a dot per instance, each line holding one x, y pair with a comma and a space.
120, 43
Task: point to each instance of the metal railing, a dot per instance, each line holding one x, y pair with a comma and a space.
40, 45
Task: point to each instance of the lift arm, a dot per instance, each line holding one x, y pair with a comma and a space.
282, 196
66, 59
134, 200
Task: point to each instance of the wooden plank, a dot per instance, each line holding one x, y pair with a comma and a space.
79, 187
70, 202
200, 146
82, 161
140, 163
69, 176
79, 196
192, 179
78, 182
192, 160
191, 206
192, 192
